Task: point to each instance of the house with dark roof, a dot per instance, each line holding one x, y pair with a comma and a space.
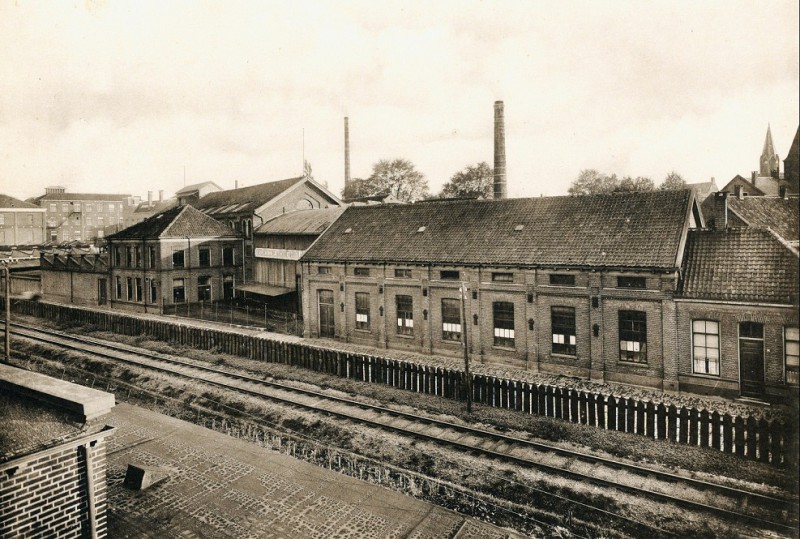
279, 244
580, 286
781, 215
791, 165
84, 217
21, 223
176, 257
737, 314
246, 208
702, 190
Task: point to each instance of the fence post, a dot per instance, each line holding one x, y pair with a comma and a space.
727, 433
650, 420
739, 435
704, 423
752, 433
611, 402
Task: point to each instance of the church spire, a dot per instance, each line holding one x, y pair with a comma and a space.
770, 162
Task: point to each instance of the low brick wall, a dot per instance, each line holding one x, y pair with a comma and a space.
767, 441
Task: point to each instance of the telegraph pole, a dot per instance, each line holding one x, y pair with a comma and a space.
7, 305
464, 324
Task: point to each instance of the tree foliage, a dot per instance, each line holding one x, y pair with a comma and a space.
472, 182
397, 177
639, 183
673, 181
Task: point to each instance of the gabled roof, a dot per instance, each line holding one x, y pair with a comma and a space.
84, 196
625, 230
779, 214
178, 222
739, 264
11, 202
196, 187
751, 189
301, 222
157, 207
703, 189
244, 199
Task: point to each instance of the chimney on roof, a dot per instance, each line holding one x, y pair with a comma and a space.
149, 199
739, 192
499, 152
161, 195
721, 210
753, 176
346, 152
235, 184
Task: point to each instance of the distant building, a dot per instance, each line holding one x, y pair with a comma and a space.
767, 180
781, 215
148, 209
190, 194
52, 456
83, 217
703, 190
246, 208
178, 256
791, 165
21, 223
770, 163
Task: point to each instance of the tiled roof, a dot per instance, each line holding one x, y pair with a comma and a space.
772, 187
157, 207
630, 230
83, 196
244, 199
177, 222
301, 222
11, 202
703, 189
779, 214
196, 187
739, 264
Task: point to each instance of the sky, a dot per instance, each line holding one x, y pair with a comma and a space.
112, 96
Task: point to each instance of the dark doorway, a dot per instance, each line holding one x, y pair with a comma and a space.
751, 359
327, 326
102, 294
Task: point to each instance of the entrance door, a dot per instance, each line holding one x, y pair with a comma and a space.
751, 359
102, 294
326, 319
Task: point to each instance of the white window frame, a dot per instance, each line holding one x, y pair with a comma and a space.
702, 343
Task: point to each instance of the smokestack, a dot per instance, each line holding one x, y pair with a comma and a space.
499, 152
235, 184
149, 199
346, 152
161, 195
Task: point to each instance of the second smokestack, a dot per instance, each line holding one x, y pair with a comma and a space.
346, 152
499, 152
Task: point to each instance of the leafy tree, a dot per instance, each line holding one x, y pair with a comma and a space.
359, 188
592, 182
397, 177
640, 183
673, 181
472, 182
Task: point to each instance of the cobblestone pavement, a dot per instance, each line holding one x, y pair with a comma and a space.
219, 486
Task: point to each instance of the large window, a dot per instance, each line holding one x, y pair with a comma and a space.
178, 259
362, 311
324, 270
130, 288
153, 291
405, 315
631, 282
503, 312
205, 257
451, 319
361, 272
178, 291
563, 324
502, 277
128, 257
402, 273
562, 279
449, 275
705, 346
118, 287
117, 256
152, 256
633, 336
138, 255
204, 289
791, 338
228, 256
138, 284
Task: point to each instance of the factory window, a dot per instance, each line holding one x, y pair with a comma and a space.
323, 270
100, 207
705, 346
451, 319
128, 257
563, 324
633, 336
405, 315
561, 279
177, 259
118, 288
138, 285
153, 291
151, 255
138, 253
503, 312
791, 338
111, 207
178, 291
362, 311
205, 256
361, 272
631, 282
130, 288
204, 289
449, 275
402, 273
503, 277
228, 256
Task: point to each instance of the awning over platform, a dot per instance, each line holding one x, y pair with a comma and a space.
264, 289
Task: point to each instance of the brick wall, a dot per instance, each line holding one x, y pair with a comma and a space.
46, 494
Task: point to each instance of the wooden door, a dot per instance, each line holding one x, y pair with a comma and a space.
327, 327
751, 359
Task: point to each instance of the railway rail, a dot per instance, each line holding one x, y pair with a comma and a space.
759, 509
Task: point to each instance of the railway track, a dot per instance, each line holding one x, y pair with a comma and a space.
761, 510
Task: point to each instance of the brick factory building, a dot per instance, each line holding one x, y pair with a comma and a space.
52, 457
21, 223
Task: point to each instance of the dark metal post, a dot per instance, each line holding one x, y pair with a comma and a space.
467, 377
7, 305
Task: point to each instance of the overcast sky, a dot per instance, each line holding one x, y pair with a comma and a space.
120, 97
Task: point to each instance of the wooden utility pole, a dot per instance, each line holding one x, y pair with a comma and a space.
467, 377
7, 305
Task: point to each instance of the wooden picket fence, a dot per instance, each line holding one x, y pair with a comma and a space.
757, 439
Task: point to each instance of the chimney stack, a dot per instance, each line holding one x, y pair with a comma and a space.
346, 152
739, 192
499, 152
721, 210
235, 184
753, 176
149, 199
161, 195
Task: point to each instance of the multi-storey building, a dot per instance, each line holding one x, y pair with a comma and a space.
21, 223
83, 217
178, 256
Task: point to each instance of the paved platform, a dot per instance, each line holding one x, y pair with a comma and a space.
223, 487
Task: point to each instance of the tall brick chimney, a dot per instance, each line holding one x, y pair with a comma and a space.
499, 152
720, 210
346, 152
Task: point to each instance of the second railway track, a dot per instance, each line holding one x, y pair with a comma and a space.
735, 504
